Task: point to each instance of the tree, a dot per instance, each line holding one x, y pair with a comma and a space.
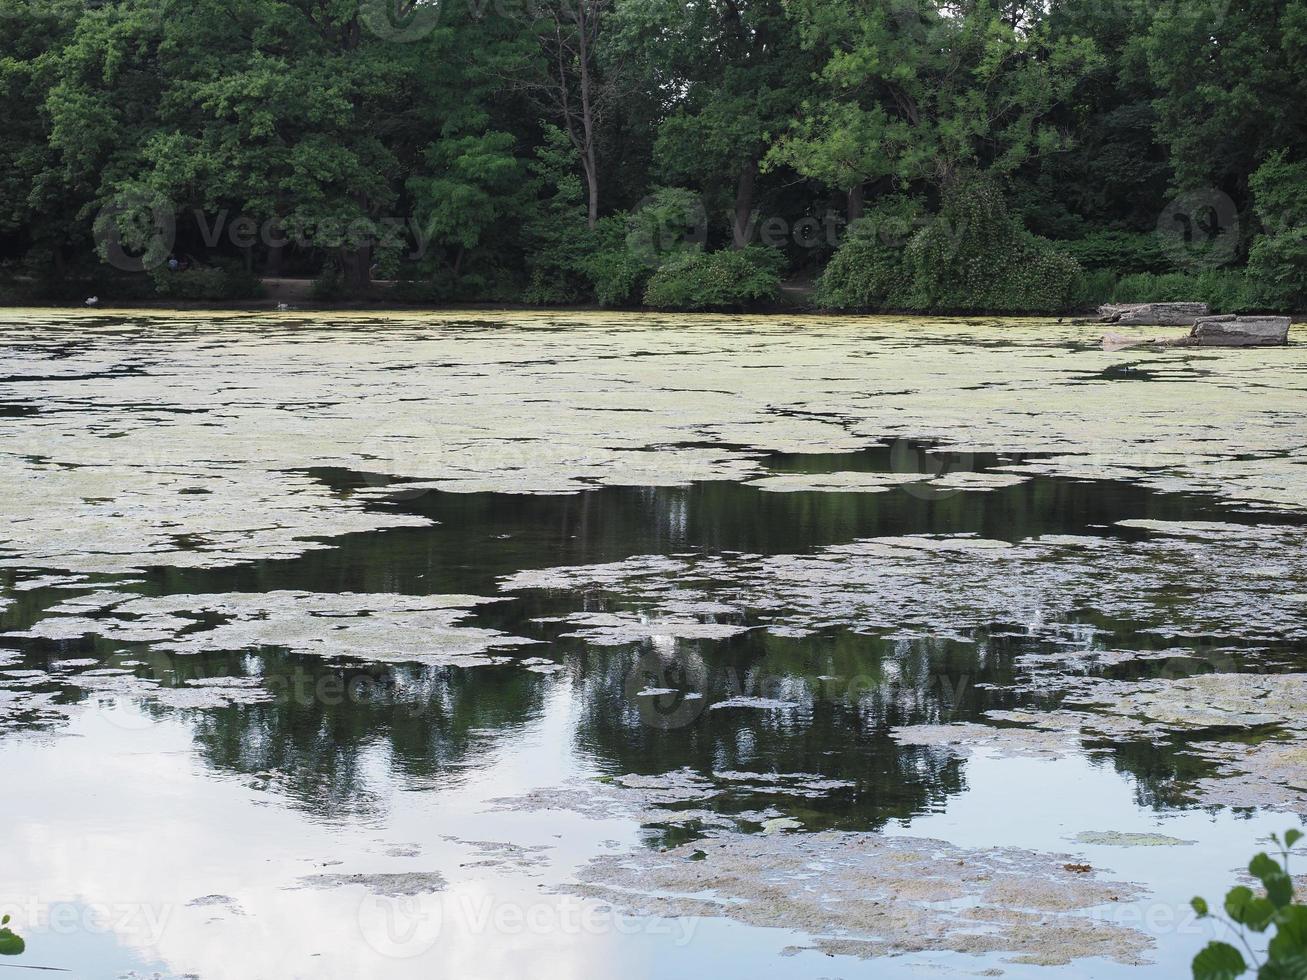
1231, 85
566, 79
922, 91
728, 75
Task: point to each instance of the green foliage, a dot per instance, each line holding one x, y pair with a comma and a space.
1277, 261
869, 269
1230, 86
975, 255
924, 91
329, 285
625, 249
10, 943
728, 279
1224, 290
1121, 251
555, 233
226, 280
1246, 911
1097, 286
463, 164
616, 274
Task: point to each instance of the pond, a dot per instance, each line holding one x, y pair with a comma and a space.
493, 645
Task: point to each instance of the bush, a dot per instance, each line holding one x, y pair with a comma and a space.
329, 286
39, 279
1277, 261
1286, 953
717, 280
225, 280
975, 255
1145, 287
1224, 290
869, 269
1123, 252
617, 275
1097, 287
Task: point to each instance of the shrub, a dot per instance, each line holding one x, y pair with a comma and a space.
39, 278
1286, 953
225, 280
616, 274
1098, 286
1277, 261
1145, 287
1224, 290
1123, 252
717, 280
1277, 266
975, 255
869, 269
329, 286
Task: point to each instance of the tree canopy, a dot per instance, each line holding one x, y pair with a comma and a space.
511, 149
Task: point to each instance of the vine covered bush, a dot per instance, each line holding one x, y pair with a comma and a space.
717, 280
868, 270
976, 255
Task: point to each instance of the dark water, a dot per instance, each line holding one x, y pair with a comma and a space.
308, 749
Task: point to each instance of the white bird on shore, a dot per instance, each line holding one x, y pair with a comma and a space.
93, 301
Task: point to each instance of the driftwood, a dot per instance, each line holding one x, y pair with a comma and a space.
1153, 314
1216, 331
1241, 331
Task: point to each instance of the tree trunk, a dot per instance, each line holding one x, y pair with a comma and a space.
276, 254
587, 114
855, 202
356, 268
591, 185
743, 229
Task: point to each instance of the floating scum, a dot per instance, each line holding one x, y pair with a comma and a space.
146, 441
172, 439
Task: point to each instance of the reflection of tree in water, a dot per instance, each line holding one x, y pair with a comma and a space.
1161, 771
334, 733
483, 535
849, 689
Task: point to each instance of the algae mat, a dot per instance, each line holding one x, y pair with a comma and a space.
506, 645
112, 420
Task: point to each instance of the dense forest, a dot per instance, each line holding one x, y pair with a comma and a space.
1001, 155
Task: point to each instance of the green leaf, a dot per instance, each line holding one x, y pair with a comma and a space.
10, 945
1292, 836
1236, 900
1289, 944
1292, 966
1200, 906
1279, 886
1219, 961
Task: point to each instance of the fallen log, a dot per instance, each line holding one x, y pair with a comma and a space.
1241, 331
1215, 331
1152, 314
